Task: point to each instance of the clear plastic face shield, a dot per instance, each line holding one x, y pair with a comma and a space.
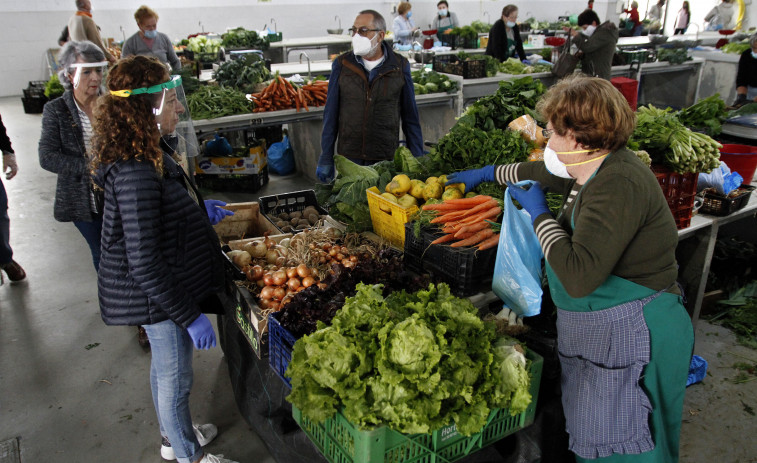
88, 74
169, 105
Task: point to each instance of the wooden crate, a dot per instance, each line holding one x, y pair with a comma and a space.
247, 222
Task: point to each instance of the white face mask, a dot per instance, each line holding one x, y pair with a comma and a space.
443, 12
589, 30
554, 165
363, 46
510, 24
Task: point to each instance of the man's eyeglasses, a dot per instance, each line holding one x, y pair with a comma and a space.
362, 31
547, 132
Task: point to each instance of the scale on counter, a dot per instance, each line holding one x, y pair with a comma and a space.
742, 127
428, 42
724, 40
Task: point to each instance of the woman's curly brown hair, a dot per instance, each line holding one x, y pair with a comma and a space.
125, 127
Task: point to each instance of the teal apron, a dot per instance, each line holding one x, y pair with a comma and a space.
511, 48
607, 317
446, 39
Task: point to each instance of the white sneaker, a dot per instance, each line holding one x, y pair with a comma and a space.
205, 433
208, 458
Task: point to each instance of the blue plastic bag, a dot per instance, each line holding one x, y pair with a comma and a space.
281, 157
697, 370
517, 271
722, 179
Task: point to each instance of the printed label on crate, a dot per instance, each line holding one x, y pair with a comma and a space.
448, 432
251, 164
249, 332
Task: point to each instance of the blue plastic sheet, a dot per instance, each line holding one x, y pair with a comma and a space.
517, 271
281, 157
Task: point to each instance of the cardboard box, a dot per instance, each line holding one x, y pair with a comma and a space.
251, 164
247, 222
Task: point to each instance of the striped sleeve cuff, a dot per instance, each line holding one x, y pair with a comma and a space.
549, 232
506, 173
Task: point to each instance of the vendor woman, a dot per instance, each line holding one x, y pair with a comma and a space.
444, 22
746, 77
625, 339
504, 36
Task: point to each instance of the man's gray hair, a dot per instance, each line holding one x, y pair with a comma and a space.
80, 4
378, 21
71, 52
753, 40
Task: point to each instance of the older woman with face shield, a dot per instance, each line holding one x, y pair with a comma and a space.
161, 260
65, 146
624, 338
148, 41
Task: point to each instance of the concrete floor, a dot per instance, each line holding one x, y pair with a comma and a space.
75, 390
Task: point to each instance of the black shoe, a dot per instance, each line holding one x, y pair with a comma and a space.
144, 341
14, 271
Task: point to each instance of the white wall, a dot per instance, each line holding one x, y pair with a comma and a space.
29, 28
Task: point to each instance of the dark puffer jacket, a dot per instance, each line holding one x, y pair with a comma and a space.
160, 255
61, 151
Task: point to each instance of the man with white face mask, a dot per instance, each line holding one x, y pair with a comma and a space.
370, 93
597, 44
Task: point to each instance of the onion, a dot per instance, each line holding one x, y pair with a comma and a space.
333, 251
326, 246
266, 292
268, 279
303, 271
293, 283
264, 303
269, 243
308, 281
281, 261
279, 277
279, 293
322, 285
348, 263
271, 256
291, 272
274, 305
339, 257
353, 258
256, 249
257, 272
260, 283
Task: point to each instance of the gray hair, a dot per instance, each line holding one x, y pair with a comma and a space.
71, 52
753, 40
378, 21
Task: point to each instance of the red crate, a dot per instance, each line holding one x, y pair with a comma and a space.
679, 191
629, 88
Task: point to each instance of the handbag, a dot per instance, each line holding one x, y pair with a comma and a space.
566, 62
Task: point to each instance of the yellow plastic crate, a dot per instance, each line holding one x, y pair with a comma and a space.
388, 218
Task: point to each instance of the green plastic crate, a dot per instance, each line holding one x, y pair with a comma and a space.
342, 442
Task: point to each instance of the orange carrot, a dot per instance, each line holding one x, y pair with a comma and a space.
449, 216
443, 239
488, 214
443, 207
475, 239
469, 201
478, 226
481, 207
489, 242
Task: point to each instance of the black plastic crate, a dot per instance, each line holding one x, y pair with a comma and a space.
248, 183
451, 64
33, 105
466, 269
717, 204
273, 205
280, 346
465, 42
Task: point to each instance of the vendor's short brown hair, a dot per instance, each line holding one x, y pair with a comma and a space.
508, 9
144, 12
404, 7
591, 110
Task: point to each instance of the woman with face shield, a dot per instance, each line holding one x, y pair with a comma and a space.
65, 146
625, 339
161, 262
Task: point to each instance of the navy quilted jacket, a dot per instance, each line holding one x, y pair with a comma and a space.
160, 255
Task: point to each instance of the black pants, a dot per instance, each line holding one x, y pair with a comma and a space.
680, 31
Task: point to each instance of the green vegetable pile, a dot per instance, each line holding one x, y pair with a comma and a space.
736, 47
189, 82
707, 115
669, 142
242, 38
741, 314
480, 27
512, 99
466, 147
414, 362
243, 73
465, 32
210, 101
428, 81
747, 109
201, 44
53, 87
515, 66
673, 55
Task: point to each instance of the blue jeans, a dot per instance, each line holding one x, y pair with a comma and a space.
91, 232
6, 253
171, 382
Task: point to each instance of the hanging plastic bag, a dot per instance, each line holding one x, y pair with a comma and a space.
517, 271
281, 157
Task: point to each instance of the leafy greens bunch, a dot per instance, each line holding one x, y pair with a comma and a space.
412, 361
707, 114
242, 74
242, 38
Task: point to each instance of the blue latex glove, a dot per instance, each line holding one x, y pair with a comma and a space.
325, 172
215, 212
472, 178
532, 200
201, 332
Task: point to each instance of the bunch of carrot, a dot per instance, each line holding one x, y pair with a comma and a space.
282, 94
467, 221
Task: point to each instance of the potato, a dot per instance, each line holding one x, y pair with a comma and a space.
313, 218
302, 227
309, 210
281, 224
284, 216
303, 222
295, 215
287, 229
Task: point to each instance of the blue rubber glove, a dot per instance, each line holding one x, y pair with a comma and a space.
201, 332
215, 212
325, 172
472, 178
532, 200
